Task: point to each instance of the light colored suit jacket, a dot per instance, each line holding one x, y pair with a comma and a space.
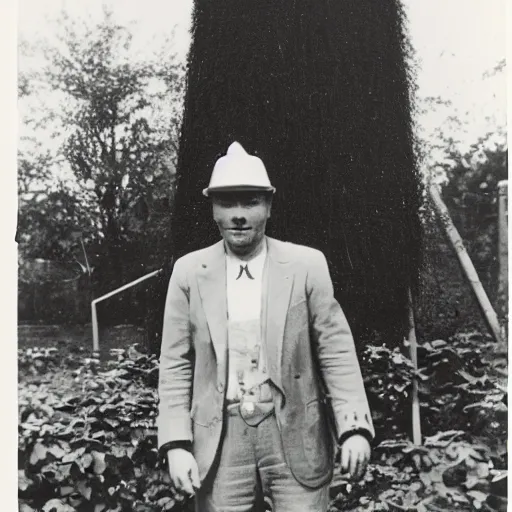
310, 354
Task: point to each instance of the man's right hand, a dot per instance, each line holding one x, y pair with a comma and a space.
183, 470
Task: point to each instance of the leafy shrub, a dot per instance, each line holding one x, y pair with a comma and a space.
462, 390
36, 361
90, 445
388, 378
465, 387
461, 386
446, 473
87, 437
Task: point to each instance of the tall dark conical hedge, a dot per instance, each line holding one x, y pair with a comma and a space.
319, 89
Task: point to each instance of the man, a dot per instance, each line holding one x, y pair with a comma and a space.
258, 371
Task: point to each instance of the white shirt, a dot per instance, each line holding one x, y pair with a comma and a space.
244, 297
244, 294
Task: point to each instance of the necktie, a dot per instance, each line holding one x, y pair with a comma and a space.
246, 269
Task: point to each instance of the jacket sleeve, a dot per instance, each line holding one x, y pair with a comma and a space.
336, 354
176, 360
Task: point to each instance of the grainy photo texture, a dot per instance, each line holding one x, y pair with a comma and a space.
262, 256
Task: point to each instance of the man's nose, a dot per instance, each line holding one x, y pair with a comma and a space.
238, 219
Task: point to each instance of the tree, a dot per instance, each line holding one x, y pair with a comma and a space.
321, 91
469, 177
114, 121
471, 194
51, 218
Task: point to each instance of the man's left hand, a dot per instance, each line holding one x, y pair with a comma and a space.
355, 455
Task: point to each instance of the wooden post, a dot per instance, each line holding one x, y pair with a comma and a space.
502, 302
413, 347
95, 330
467, 265
85, 256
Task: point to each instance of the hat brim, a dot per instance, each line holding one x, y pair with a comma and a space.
237, 188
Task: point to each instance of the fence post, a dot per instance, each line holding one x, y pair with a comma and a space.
413, 347
95, 329
502, 301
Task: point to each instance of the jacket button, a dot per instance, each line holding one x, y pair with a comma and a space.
220, 387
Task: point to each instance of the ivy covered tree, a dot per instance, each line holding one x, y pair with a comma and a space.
321, 92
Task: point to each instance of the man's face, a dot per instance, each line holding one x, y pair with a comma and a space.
242, 218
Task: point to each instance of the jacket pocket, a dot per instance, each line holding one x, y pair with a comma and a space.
315, 437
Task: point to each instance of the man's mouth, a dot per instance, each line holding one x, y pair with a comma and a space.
240, 229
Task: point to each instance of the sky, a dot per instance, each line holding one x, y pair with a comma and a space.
456, 42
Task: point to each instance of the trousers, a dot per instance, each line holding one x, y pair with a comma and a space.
251, 470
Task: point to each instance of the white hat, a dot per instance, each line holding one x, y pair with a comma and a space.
238, 170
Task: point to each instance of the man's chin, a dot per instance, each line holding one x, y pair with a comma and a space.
239, 246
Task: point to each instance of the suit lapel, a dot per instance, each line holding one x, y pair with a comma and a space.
278, 281
279, 286
211, 280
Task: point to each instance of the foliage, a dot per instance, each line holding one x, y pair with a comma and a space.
446, 304
466, 382
388, 375
446, 473
52, 218
472, 197
462, 386
90, 444
114, 121
88, 439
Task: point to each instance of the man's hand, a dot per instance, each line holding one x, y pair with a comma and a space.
183, 470
355, 455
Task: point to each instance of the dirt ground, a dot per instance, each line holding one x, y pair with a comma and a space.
78, 337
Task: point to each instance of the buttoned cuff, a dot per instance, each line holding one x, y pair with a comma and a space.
352, 419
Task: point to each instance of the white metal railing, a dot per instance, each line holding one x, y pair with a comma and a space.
95, 330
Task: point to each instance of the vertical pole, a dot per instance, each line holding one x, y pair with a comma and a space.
503, 248
95, 332
413, 347
85, 256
